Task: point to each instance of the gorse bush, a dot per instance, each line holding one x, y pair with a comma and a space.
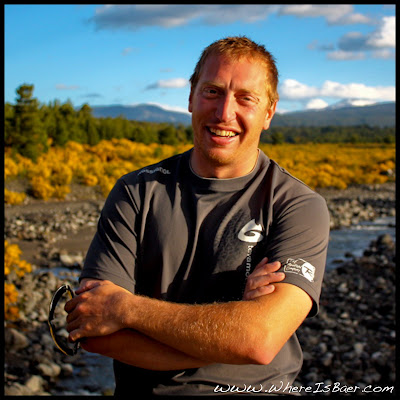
335, 165
14, 270
317, 165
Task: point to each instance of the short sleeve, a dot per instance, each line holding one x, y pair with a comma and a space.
299, 239
112, 254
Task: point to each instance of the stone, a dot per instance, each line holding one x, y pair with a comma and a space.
50, 370
17, 389
35, 383
67, 369
358, 348
15, 340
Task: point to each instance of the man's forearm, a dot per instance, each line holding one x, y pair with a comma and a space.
238, 332
134, 348
223, 333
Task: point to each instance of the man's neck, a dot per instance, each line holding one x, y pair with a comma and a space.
224, 171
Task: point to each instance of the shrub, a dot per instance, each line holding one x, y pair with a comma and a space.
13, 198
14, 270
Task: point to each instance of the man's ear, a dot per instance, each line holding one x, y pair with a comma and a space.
269, 115
190, 100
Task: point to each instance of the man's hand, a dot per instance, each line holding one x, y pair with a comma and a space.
97, 310
259, 282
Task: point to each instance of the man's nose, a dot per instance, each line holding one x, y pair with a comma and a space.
226, 108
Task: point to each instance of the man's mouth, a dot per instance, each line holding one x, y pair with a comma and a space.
222, 133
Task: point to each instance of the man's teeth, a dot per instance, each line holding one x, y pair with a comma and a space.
220, 132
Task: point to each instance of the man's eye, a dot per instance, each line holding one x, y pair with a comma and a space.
210, 91
247, 99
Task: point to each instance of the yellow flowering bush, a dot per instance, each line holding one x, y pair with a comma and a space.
317, 165
11, 311
90, 180
106, 184
41, 188
14, 269
10, 168
335, 165
14, 198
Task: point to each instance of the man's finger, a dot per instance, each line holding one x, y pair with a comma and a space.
263, 269
261, 291
264, 280
88, 285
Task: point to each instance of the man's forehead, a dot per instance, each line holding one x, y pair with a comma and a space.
213, 68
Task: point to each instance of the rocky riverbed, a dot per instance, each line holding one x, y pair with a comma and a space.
350, 342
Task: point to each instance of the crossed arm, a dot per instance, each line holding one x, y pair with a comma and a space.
155, 334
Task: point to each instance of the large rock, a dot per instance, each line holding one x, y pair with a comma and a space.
15, 340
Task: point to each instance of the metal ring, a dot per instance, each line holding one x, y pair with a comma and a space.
53, 304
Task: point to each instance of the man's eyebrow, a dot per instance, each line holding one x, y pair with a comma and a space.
254, 92
211, 83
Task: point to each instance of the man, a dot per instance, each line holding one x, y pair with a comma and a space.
169, 287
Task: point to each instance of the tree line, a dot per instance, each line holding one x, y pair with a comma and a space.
30, 128
329, 134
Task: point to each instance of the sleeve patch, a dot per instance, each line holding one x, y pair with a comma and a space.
300, 267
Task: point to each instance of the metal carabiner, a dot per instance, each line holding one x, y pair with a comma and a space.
53, 304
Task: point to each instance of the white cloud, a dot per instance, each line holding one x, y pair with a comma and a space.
384, 54
316, 104
362, 102
335, 14
169, 84
291, 89
358, 91
385, 35
171, 108
357, 46
342, 55
133, 17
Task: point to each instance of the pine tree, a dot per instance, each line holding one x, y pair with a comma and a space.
28, 136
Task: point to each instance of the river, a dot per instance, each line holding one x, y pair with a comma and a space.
355, 239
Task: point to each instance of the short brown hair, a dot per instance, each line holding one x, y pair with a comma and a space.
235, 48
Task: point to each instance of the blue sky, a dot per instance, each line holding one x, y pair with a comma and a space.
133, 54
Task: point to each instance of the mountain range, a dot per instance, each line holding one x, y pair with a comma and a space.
379, 114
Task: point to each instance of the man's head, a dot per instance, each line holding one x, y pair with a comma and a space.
232, 100
236, 48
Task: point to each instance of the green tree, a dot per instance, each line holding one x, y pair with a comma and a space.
49, 120
277, 137
189, 134
28, 135
168, 135
88, 125
8, 123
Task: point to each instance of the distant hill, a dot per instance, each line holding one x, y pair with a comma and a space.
142, 112
380, 114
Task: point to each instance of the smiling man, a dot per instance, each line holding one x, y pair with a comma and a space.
179, 287
230, 106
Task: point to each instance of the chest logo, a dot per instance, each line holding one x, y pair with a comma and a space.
251, 232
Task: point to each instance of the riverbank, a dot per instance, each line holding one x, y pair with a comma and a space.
351, 341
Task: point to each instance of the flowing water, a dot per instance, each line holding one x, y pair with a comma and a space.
355, 239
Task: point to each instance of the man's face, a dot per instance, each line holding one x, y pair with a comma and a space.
230, 108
